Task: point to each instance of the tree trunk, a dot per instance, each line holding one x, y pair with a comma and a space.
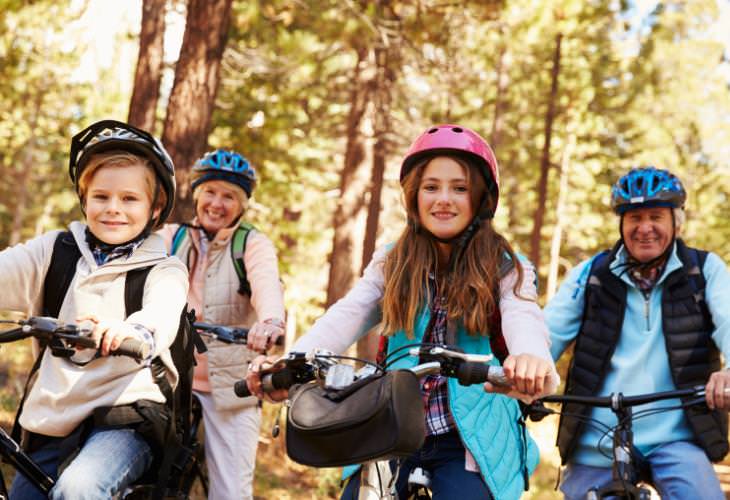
193, 93
386, 57
499, 101
343, 259
148, 75
554, 268
545, 160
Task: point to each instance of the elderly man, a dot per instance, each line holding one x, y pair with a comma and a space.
652, 314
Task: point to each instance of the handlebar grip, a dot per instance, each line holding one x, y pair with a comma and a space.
133, 348
282, 379
270, 382
477, 373
241, 389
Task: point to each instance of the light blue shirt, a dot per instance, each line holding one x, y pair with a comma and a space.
640, 363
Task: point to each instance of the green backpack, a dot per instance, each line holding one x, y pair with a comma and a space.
238, 247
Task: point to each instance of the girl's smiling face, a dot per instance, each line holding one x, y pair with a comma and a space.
444, 201
118, 203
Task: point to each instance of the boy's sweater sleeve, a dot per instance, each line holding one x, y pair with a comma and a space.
23, 268
165, 294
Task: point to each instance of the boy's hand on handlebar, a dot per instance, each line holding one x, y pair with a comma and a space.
528, 375
717, 390
253, 379
109, 335
263, 334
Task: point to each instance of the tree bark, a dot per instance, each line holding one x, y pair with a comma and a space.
147, 77
343, 259
545, 160
193, 93
564, 172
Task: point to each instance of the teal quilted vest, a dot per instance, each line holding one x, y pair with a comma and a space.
489, 424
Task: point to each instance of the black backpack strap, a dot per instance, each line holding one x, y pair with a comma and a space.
61, 271
134, 289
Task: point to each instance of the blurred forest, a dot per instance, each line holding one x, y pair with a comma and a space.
324, 97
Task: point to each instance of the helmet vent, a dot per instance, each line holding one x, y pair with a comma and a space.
458, 130
433, 130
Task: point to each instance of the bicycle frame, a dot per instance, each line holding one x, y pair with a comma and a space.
626, 476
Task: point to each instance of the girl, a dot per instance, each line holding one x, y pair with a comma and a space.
444, 281
222, 182
126, 185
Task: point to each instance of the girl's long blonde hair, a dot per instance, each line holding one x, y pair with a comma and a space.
470, 285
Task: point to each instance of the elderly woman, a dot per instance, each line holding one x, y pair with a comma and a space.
234, 280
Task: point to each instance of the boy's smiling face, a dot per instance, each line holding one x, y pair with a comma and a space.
118, 203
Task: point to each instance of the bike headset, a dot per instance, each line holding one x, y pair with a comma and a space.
112, 135
464, 143
647, 187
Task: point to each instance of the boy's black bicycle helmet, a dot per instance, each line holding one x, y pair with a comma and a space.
112, 135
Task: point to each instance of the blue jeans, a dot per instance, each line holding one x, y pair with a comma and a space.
679, 470
109, 461
443, 457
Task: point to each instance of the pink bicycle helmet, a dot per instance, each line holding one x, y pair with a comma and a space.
462, 141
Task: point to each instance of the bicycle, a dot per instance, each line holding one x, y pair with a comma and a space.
325, 368
62, 339
629, 471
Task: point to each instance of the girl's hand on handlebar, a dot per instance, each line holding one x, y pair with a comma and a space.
263, 334
253, 379
528, 375
716, 390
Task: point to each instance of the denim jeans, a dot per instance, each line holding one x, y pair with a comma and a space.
110, 460
680, 470
443, 457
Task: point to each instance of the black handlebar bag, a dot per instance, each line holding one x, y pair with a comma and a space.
379, 417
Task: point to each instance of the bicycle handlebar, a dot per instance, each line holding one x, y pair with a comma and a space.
228, 334
48, 329
297, 368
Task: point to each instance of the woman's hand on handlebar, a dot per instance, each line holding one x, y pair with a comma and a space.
528, 375
715, 391
253, 379
263, 334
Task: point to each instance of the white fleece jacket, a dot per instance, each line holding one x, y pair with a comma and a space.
64, 394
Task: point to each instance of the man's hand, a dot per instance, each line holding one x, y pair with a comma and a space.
717, 390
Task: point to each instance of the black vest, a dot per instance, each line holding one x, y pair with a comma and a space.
687, 327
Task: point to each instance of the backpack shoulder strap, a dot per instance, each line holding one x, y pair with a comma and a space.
134, 289
178, 237
238, 249
61, 271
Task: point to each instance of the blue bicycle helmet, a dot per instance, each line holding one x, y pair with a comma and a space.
225, 166
647, 187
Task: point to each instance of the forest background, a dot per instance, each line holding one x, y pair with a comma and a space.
323, 97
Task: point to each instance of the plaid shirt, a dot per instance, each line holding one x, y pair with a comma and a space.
433, 387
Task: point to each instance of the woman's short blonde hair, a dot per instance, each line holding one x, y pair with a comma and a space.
122, 159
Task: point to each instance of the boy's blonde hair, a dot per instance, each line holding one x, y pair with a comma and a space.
122, 159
